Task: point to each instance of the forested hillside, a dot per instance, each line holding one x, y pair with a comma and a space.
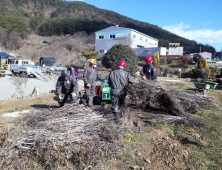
57, 17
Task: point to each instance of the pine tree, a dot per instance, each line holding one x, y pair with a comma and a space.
120, 52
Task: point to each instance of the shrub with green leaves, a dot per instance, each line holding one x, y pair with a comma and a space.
201, 73
120, 52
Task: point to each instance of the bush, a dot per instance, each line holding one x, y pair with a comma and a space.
89, 54
166, 60
120, 52
214, 72
201, 73
141, 59
185, 61
170, 60
156, 60
197, 58
197, 73
187, 74
202, 64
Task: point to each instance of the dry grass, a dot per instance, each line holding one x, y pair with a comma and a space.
23, 104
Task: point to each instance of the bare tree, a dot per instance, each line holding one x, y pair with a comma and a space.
20, 83
14, 41
3, 37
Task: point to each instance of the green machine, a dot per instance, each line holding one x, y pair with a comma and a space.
103, 91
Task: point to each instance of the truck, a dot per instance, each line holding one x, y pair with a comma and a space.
26, 67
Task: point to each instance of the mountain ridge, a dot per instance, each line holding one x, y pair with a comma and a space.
57, 17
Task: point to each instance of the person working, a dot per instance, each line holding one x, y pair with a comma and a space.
74, 72
149, 71
66, 86
90, 76
117, 81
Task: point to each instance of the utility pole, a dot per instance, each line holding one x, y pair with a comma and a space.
220, 53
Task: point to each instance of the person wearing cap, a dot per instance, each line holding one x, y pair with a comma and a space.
149, 71
117, 81
74, 72
66, 86
90, 75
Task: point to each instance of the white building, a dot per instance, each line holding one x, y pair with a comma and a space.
175, 49
113, 35
206, 55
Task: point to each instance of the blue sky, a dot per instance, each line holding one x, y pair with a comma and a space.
199, 20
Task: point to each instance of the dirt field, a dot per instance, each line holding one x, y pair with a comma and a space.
141, 143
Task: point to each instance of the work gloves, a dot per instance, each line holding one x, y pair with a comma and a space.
144, 77
73, 94
60, 97
88, 85
75, 98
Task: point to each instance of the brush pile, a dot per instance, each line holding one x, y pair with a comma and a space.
58, 136
172, 101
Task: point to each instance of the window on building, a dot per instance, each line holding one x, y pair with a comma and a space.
140, 46
101, 37
141, 38
112, 36
146, 40
134, 36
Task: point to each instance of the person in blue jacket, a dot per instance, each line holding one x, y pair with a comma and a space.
74, 72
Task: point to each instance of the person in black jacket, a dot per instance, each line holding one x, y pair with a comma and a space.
66, 86
149, 71
117, 81
90, 76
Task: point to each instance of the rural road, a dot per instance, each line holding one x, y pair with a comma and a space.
8, 90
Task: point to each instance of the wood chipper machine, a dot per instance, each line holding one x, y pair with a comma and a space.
103, 91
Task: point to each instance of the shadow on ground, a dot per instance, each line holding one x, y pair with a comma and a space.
186, 141
44, 106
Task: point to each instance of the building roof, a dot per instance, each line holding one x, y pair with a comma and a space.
204, 52
2, 54
122, 28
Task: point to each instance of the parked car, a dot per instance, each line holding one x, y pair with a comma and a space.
56, 68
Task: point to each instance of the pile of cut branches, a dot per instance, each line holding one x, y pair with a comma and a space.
172, 101
71, 136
